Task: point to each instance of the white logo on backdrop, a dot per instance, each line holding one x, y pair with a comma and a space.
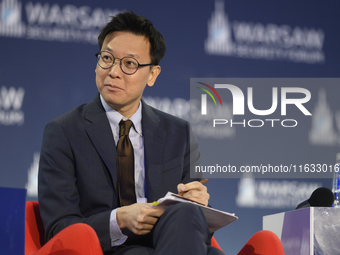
178, 107
11, 100
272, 194
262, 41
10, 19
322, 132
52, 22
32, 178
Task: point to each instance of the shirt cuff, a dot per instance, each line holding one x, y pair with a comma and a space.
116, 235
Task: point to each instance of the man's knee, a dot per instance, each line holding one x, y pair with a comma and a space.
185, 210
180, 224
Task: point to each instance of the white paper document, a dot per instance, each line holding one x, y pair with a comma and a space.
216, 219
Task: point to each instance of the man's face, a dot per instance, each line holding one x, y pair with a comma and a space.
119, 90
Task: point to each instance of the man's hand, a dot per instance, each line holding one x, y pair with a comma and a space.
195, 191
139, 218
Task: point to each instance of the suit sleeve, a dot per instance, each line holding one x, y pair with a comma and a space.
192, 157
58, 192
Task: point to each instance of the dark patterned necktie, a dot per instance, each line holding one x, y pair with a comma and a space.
125, 165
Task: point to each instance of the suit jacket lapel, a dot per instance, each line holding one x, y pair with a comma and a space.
154, 142
99, 130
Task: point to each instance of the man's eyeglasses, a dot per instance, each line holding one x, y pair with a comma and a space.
129, 65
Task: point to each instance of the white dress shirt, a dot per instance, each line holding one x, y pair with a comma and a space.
136, 138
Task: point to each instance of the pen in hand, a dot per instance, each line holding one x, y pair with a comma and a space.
204, 181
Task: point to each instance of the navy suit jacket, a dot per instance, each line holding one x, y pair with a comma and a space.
77, 170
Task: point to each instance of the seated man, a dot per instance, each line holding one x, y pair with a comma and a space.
104, 162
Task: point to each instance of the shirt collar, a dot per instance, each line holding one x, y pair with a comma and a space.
115, 117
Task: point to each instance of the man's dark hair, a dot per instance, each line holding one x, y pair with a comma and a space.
137, 25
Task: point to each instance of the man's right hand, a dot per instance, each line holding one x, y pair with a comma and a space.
138, 218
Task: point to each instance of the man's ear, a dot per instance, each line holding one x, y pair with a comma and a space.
155, 71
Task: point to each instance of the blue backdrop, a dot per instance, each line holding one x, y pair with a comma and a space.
47, 68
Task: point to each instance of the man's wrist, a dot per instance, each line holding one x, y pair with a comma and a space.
120, 217
117, 236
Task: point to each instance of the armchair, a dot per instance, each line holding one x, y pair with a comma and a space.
80, 239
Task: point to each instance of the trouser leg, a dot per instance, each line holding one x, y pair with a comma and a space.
183, 229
